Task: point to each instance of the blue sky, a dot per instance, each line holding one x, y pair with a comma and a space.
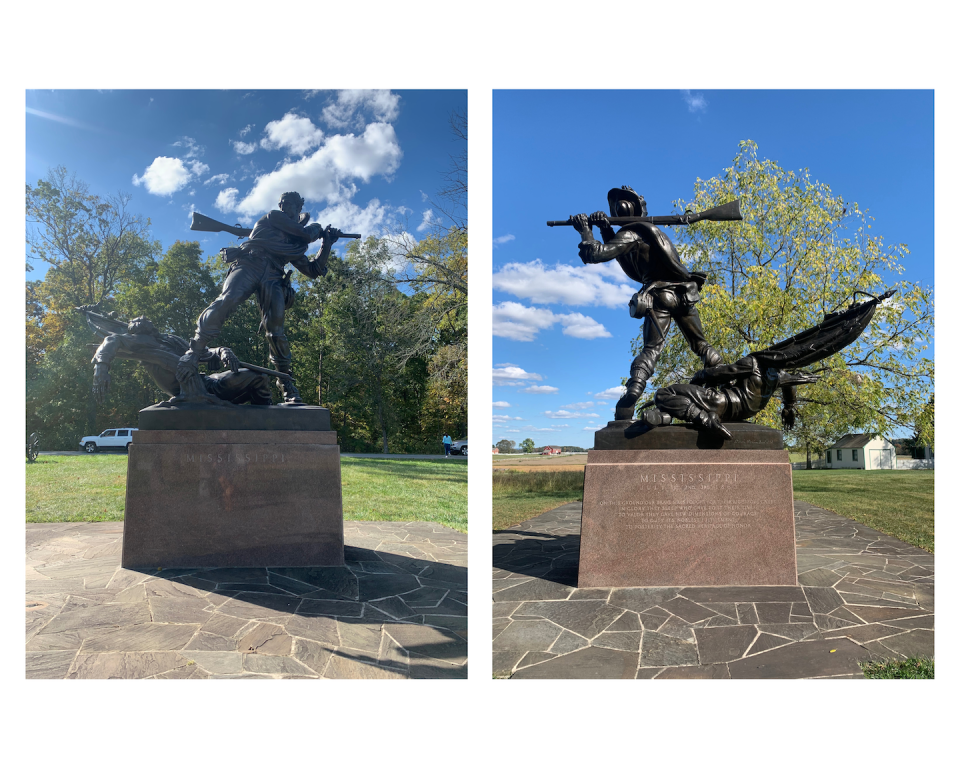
561, 330
365, 161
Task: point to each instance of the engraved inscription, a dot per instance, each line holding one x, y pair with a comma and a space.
233, 457
661, 515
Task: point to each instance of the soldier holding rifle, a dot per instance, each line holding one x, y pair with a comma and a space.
257, 267
670, 291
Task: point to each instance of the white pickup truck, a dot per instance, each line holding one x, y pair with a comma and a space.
109, 438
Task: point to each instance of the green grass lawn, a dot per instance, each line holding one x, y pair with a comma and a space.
908, 669
896, 502
518, 496
91, 488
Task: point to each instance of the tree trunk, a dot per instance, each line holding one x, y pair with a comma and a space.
809, 463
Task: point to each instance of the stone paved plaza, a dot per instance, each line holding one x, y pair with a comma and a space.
861, 595
397, 610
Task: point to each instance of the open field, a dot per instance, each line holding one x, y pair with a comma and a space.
519, 494
92, 488
534, 462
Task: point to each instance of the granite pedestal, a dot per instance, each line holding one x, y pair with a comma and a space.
233, 496
660, 511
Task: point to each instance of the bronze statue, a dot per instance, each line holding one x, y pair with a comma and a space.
670, 291
739, 391
160, 354
257, 267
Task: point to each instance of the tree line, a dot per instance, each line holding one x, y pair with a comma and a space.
380, 340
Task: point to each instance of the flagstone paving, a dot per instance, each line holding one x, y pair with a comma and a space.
397, 610
861, 595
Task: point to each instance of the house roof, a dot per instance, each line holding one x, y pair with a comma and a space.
853, 441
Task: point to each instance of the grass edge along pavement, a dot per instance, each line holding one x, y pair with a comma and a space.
898, 503
519, 496
92, 489
914, 668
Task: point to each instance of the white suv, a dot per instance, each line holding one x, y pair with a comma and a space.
459, 447
109, 438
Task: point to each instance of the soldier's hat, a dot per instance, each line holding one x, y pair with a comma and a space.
615, 195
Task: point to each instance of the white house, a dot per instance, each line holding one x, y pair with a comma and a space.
861, 452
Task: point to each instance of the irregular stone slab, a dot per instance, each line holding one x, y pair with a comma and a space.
425, 668
142, 637
321, 629
568, 642
262, 639
724, 643
869, 615
329, 608
916, 622
59, 641
375, 586
773, 613
505, 661
659, 650
181, 610
341, 581
362, 636
621, 641
216, 662
161, 587
504, 609
709, 672
747, 613
795, 632
917, 642
311, 654
743, 594
865, 633
119, 614
533, 590
204, 641
527, 636
226, 626
640, 599
429, 642
250, 605
822, 599
534, 657
687, 610
275, 665
340, 667
49, 664
818, 658
628, 622
589, 664
125, 666
766, 642
585, 617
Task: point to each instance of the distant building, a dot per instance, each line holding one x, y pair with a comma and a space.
496, 450
861, 452
551, 450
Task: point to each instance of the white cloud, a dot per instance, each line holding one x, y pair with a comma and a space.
227, 199
501, 404
569, 284
193, 149
292, 132
579, 406
243, 147
502, 239
198, 169
540, 389
561, 414
328, 173
591, 429
695, 101
508, 375
429, 220
220, 178
515, 321
499, 418
346, 111
246, 129
544, 429
613, 393
164, 176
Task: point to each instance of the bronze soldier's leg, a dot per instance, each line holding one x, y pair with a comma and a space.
245, 386
656, 324
237, 288
688, 321
273, 313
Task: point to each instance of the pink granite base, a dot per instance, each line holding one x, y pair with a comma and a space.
219, 498
687, 518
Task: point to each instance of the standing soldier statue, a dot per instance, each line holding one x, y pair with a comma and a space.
257, 267
670, 291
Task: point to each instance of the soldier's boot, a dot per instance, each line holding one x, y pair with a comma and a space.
707, 421
281, 360
654, 418
626, 405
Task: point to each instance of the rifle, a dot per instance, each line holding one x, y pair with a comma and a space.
203, 223
726, 212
